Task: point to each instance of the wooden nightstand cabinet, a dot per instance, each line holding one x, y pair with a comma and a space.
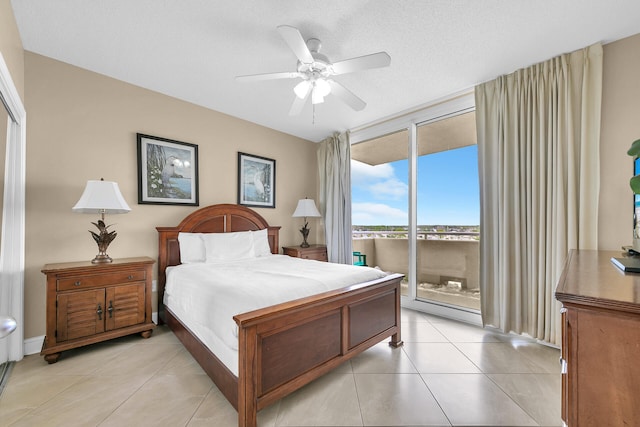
317, 252
89, 303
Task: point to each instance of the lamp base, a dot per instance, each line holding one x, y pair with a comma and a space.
305, 233
101, 259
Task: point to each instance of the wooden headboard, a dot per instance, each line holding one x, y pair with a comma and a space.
223, 218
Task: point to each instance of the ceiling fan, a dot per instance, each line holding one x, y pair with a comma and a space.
316, 71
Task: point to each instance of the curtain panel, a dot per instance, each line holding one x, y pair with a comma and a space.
334, 168
538, 153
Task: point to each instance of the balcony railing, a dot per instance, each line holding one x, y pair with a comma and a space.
448, 263
424, 235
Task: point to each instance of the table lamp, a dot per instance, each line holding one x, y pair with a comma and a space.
102, 197
306, 208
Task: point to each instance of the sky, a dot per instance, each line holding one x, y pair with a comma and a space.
448, 190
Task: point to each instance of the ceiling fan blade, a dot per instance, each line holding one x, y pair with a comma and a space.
294, 39
375, 60
268, 76
346, 96
298, 103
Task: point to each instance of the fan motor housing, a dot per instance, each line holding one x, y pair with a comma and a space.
320, 65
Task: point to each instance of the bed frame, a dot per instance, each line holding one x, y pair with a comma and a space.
288, 345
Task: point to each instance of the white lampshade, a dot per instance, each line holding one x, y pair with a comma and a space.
306, 208
101, 197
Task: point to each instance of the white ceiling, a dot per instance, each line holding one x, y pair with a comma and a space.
193, 49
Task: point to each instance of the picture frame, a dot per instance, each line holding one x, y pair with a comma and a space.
167, 171
256, 181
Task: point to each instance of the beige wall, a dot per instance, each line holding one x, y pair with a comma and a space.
83, 126
620, 127
11, 46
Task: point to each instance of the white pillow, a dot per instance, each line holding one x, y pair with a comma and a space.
261, 243
191, 248
228, 246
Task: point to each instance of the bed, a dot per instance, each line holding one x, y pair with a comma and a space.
281, 347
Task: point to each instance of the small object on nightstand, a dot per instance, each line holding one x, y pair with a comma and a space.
316, 252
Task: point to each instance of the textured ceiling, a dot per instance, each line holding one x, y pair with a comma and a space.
193, 49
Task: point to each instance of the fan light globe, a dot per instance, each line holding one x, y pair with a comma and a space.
323, 87
302, 89
316, 97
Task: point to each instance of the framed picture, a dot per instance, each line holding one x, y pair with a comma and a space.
256, 181
167, 171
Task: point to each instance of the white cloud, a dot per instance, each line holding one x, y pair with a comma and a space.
362, 173
379, 181
392, 188
377, 214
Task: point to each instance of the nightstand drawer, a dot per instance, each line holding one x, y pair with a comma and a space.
317, 255
315, 252
83, 282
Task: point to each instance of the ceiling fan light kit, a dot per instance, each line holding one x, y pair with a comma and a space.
316, 71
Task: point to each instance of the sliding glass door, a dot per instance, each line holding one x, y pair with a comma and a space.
379, 200
415, 196
448, 213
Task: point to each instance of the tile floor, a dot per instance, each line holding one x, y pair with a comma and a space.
447, 373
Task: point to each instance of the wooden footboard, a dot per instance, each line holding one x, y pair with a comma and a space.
289, 345
282, 347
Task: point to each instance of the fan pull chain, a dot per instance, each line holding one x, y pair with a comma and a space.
313, 118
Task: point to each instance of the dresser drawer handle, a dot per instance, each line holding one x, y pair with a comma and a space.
563, 366
78, 283
130, 277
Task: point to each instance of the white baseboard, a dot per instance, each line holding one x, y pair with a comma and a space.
34, 345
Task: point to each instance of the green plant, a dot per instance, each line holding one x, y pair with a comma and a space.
634, 152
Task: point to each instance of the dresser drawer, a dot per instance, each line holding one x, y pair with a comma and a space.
91, 281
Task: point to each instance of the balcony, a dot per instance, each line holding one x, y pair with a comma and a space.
448, 263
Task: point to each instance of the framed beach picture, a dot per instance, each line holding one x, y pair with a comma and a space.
256, 181
167, 171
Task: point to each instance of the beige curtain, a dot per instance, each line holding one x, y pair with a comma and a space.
538, 141
334, 168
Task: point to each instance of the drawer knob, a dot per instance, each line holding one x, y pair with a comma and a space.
130, 277
563, 366
78, 283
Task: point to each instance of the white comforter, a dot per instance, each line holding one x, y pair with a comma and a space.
214, 292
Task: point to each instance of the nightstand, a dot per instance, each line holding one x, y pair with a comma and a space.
88, 303
317, 252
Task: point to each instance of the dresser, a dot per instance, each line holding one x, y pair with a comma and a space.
600, 341
317, 252
89, 303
